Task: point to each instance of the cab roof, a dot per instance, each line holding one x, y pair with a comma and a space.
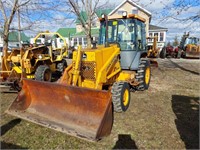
116, 16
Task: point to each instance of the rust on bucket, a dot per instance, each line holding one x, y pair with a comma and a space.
81, 112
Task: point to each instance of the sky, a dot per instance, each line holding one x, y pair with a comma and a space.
173, 18
169, 14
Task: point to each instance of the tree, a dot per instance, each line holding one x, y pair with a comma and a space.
175, 43
31, 13
169, 43
8, 18
89, 6
177, 11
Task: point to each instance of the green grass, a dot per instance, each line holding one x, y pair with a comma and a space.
155, 119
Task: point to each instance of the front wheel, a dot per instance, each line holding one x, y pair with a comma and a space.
120, 96
163, 53
179, 54
43, 73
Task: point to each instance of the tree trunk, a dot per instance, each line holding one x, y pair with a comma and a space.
89, 37
89, 41
4, 64
5, 38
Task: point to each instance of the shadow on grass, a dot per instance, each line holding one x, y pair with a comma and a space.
125, 142
5, 145
182, 68
5, 128
186, 110
9, 92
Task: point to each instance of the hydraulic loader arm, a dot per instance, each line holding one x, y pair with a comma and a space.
72, 76
76, 71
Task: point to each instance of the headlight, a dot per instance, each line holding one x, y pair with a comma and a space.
84, 56
40, 56
103, 16
76, 47
124, 14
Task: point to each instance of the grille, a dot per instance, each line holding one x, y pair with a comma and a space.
88, 70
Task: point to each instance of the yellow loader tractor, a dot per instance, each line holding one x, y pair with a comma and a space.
153, 50
189, 47
35, 62
98, 82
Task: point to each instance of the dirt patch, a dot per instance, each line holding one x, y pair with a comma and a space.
164, 117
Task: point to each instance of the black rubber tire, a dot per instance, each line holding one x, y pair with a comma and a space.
17, 85
163, 53
141, 74
118, 91
70, 55
61, 66
43, 73
179, 54
183, 55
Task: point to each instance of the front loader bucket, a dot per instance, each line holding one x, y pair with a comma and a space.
81, 112
190, 54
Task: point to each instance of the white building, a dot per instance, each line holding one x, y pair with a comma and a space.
160, 32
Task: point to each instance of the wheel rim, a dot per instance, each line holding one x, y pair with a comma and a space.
125, 97
147, 75
47, 75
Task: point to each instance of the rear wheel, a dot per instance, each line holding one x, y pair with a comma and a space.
179, 54
17, 85
163, 53
120, 96
143, 75
43, 73
61, 66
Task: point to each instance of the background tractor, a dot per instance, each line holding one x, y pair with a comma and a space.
169, 51
98, 81
35, 62
189, 47
153, 50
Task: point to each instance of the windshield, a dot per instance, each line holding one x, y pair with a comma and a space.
126, 30
191, 41
121, 31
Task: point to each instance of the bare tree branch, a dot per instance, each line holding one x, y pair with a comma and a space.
89, 7
3, 10
13, 11
23, 4
31, 13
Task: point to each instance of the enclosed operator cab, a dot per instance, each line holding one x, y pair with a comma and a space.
129, 32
